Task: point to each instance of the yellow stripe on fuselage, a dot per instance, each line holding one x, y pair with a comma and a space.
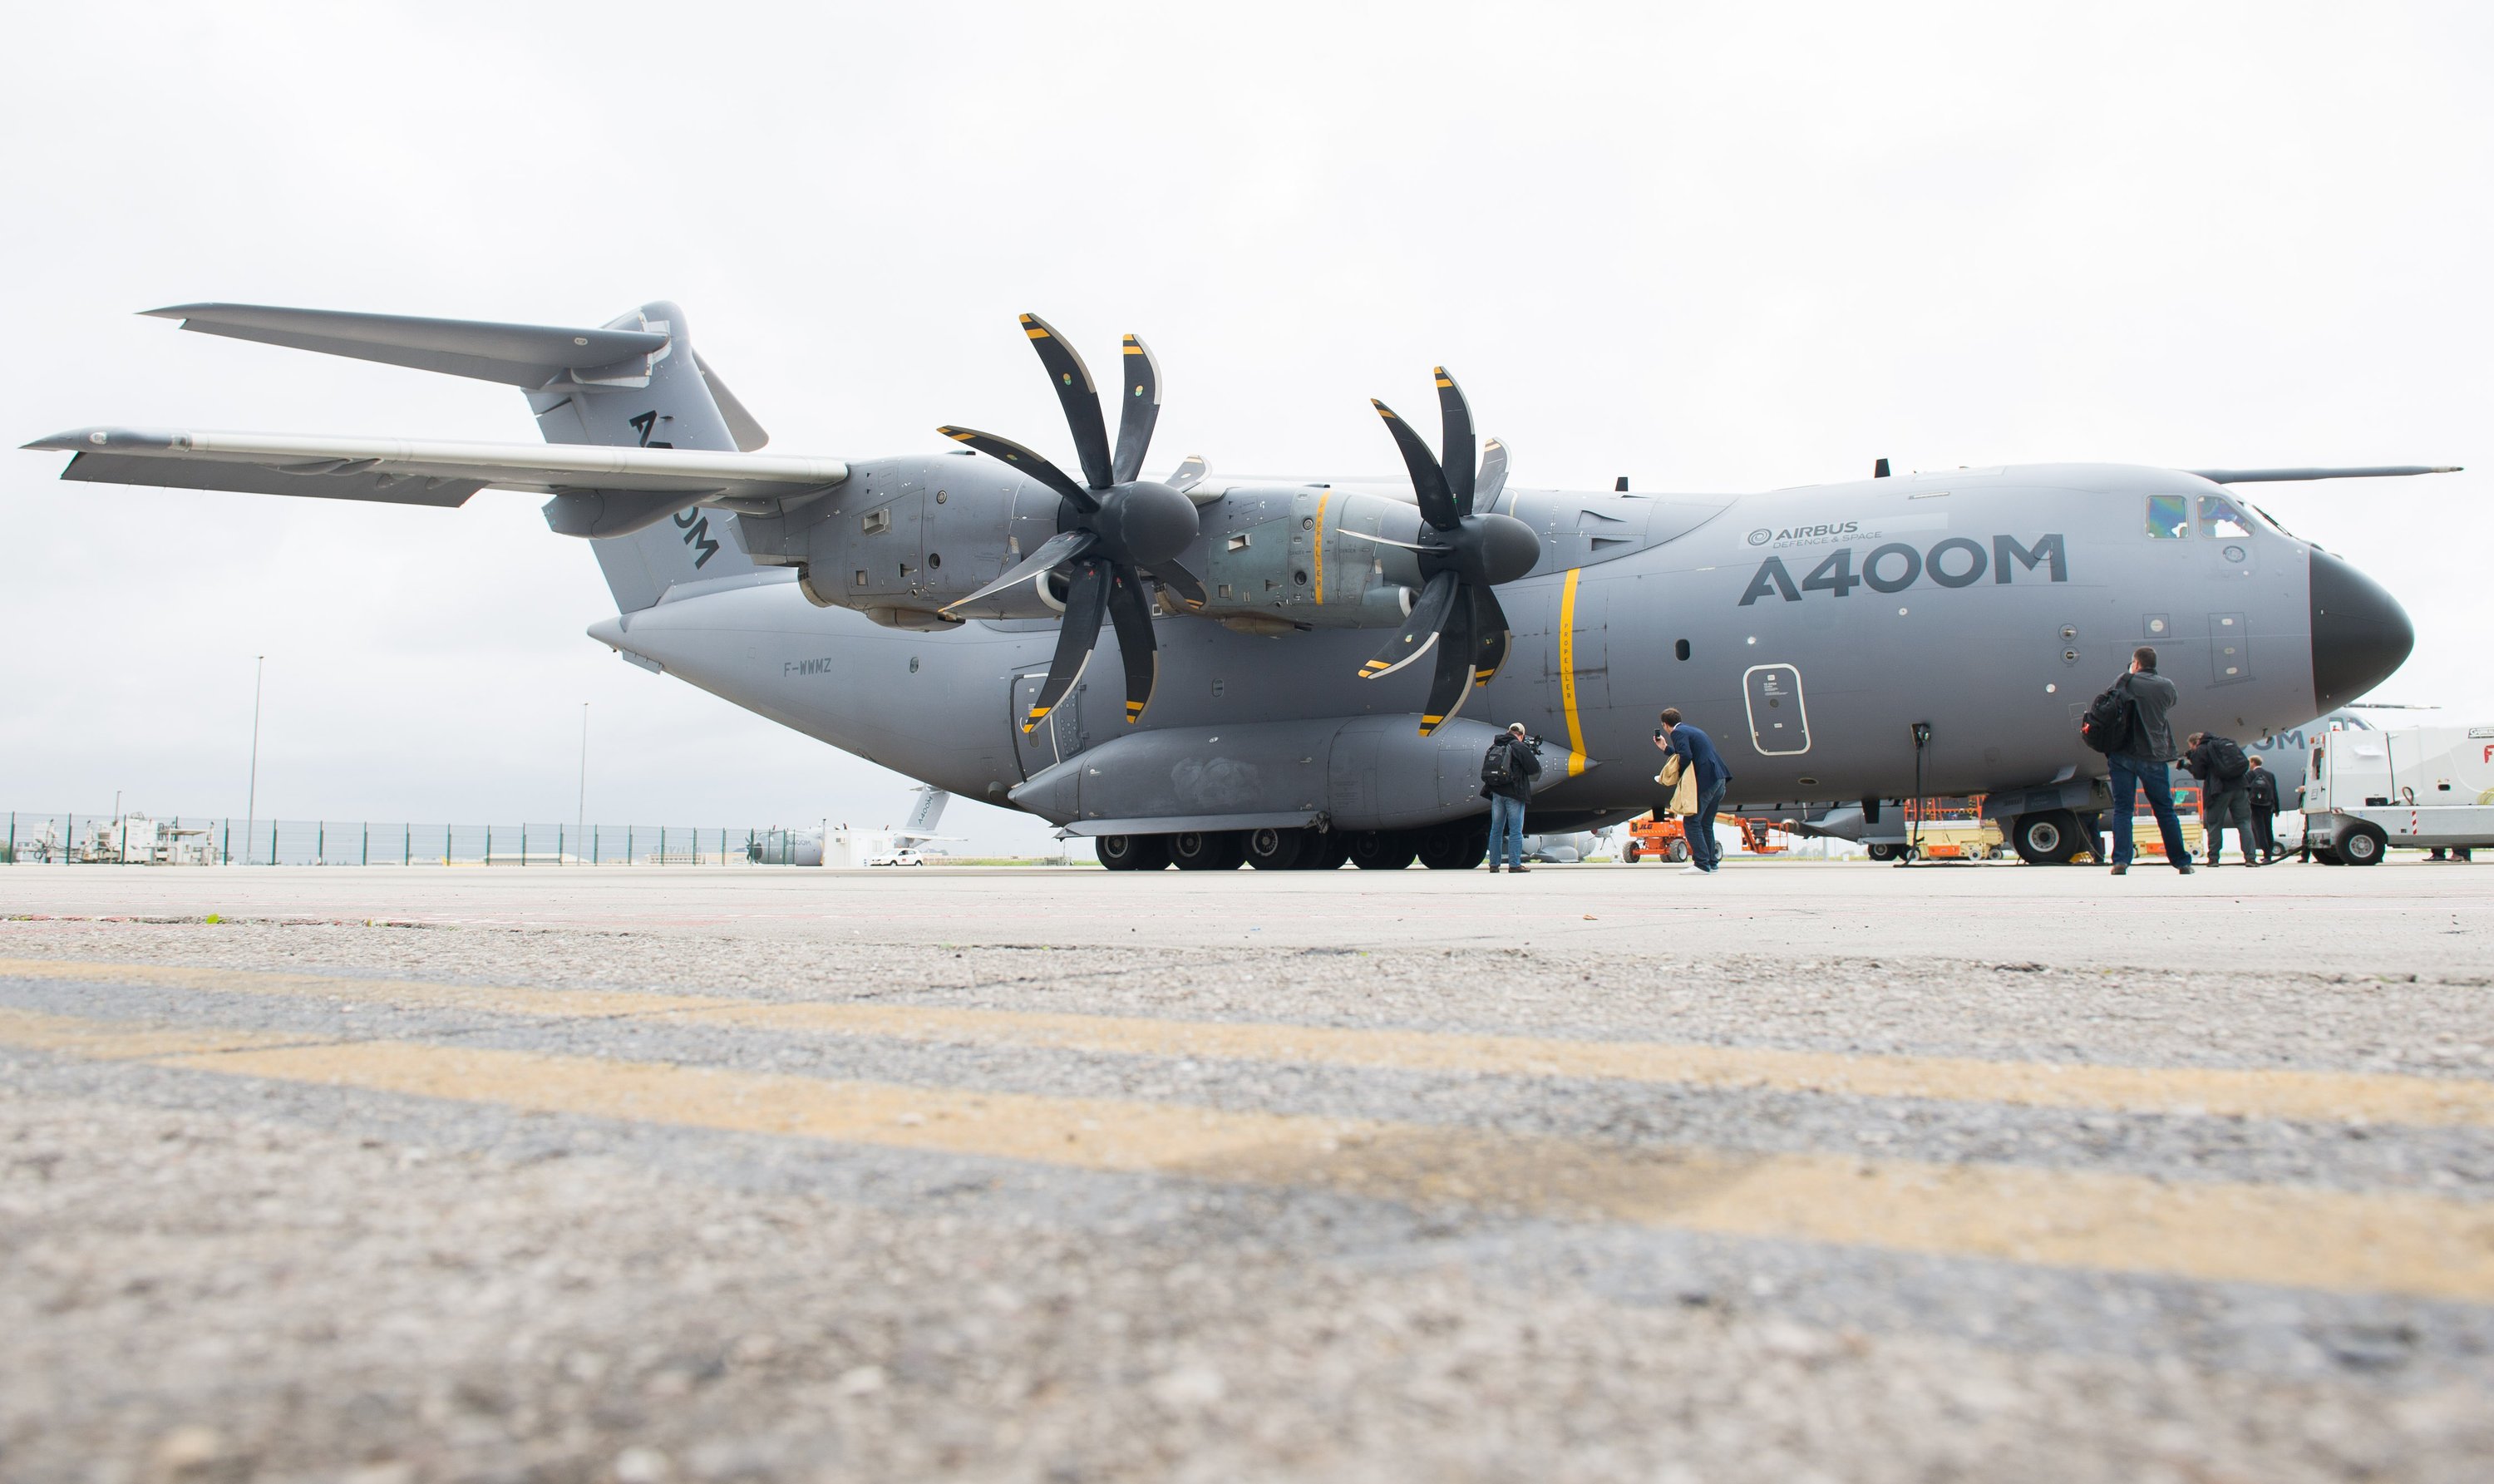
1568, 671
1319, 543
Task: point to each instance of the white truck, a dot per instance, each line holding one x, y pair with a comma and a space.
2422, 787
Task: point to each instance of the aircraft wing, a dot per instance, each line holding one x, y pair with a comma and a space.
2294, 475
411, 473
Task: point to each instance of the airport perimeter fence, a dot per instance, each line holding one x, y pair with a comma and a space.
138, 840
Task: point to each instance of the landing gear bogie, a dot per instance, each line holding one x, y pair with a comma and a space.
1382, 850
2046, 838
1132, 852
1273, 850
1207, 850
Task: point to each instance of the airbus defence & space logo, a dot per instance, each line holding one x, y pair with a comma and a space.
1829, 532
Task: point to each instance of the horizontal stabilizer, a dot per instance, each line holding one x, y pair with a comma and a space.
516, 355
2286, 476
406, 472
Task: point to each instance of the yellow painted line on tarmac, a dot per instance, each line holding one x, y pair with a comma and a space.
2327, 1097
2386, 1242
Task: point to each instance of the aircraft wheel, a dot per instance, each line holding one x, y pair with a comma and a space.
1132, 852
1459, 846
2363, 845
1323, 850
1273, 850
1882, 850
1206, 850
2048, 838
1382, 850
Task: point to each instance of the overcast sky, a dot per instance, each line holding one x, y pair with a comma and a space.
1707, 247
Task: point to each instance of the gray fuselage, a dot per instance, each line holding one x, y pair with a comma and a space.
1807, 630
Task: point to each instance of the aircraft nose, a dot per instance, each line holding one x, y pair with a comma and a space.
2359, 632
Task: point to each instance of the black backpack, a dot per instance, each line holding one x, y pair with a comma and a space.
1498, 766
2226, 759
2107, 725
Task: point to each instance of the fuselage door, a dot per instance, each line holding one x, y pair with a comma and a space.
1054, 740
1779, 726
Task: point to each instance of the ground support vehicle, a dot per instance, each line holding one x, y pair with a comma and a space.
1662, 835
2413, 787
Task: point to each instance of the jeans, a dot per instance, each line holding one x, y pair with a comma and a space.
2129, 776
2220, 810
1505, 830
1699, 827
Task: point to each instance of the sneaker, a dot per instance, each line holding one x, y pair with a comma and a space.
1692, 869
2182, 867
1517, 870
2122, 869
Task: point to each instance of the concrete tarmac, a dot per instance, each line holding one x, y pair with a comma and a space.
1804, 1170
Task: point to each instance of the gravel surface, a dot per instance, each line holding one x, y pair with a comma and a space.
219, 1277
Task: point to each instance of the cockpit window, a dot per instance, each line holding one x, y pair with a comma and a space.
2168, 516
2218, 517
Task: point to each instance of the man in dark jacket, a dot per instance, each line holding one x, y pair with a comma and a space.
2141, 761
1696, 754
1507, 798
2224, 801
2260, 789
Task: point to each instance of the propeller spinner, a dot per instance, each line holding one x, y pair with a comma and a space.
1111, 528
1461, 555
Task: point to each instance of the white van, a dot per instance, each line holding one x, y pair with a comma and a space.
2416, 786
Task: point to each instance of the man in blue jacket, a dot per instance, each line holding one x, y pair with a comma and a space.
1696, 754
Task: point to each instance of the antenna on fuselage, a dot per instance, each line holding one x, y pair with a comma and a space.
1880, 469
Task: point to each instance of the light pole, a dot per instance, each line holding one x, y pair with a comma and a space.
259, 669
580, 810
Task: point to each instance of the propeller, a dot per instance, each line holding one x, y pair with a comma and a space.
1462, 557
1112, 529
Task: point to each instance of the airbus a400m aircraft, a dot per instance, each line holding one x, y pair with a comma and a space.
1308, 670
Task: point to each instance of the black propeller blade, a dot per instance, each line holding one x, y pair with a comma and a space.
1141, 397
1490, 635
1053, 553
1114, 526
1086, 600
1428, 480
1419, 629
1455, 416
1189, 588
1028, 461
1451, 684
1081, 401
1131, 613
1463, 555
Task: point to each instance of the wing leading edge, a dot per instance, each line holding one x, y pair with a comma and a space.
418, 472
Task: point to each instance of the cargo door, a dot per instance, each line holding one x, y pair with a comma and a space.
1779, 722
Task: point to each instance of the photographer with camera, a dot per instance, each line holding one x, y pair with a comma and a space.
1507, 773
1696, 753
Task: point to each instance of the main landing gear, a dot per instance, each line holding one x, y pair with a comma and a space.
1458, 846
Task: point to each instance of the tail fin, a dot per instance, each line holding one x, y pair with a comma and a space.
636, 382
665, 400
